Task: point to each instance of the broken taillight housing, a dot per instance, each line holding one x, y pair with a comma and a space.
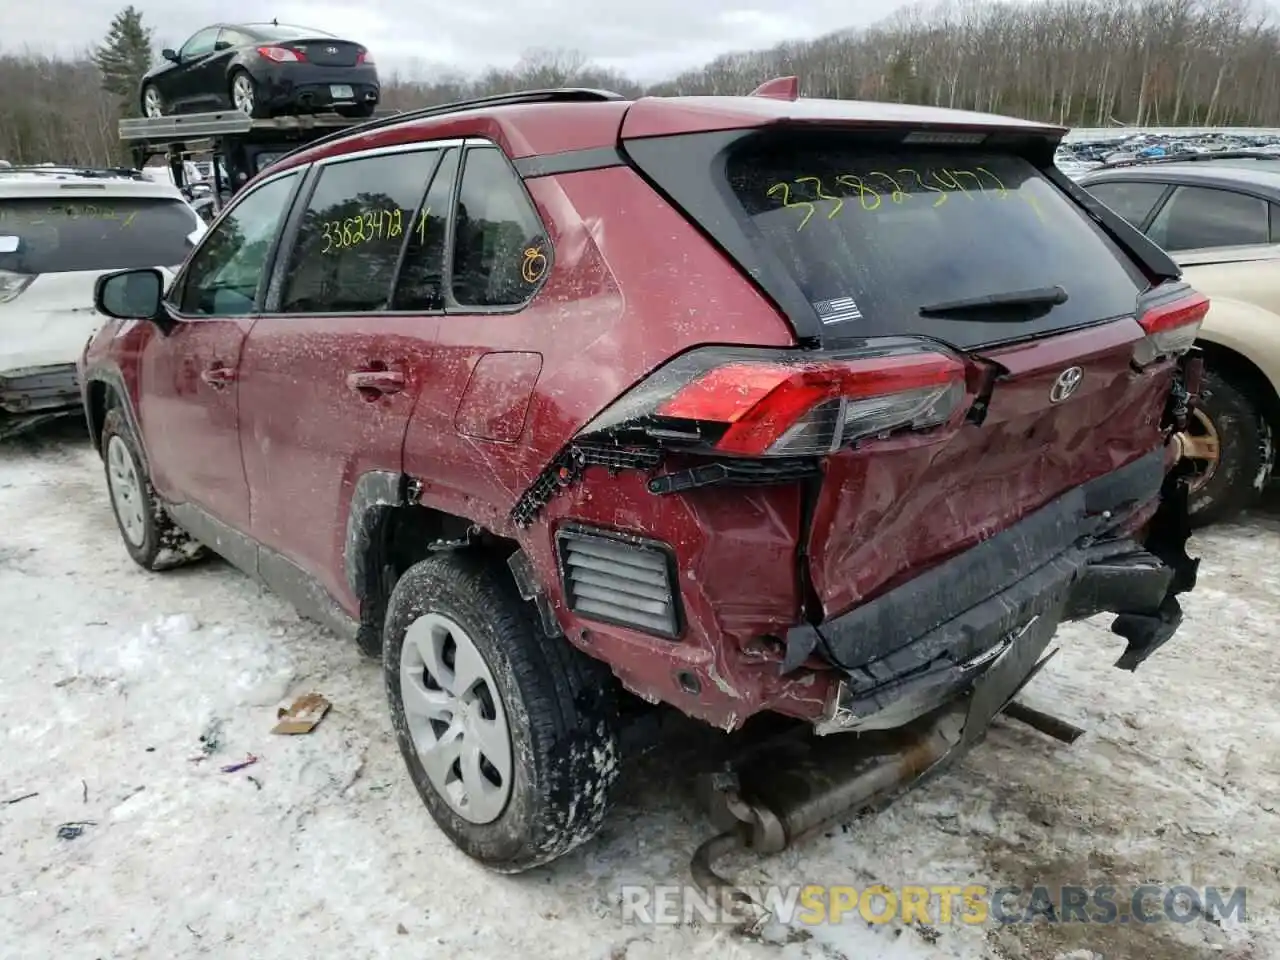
1171, 315
757, 403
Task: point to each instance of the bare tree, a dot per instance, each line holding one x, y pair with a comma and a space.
1073, 62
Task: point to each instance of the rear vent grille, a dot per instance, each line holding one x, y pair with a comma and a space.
624, 581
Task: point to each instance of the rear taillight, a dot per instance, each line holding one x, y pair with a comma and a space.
282, 54
12, 284
1172, 321
365, 57
744, 403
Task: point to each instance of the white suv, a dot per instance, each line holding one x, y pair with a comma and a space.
60, 229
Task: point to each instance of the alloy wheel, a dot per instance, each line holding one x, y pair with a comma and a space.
126, 491
242, 94
1202, 445
456, 718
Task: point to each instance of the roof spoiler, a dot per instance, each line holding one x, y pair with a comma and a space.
779, 88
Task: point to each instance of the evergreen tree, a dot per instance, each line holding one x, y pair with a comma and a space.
125, 55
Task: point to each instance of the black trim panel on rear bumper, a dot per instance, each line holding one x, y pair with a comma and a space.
931, 634
37, 389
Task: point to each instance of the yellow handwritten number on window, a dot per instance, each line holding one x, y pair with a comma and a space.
855, 183
897, 196
823, 195
942, 196
784, 190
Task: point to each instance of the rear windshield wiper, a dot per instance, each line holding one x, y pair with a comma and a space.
1038, 297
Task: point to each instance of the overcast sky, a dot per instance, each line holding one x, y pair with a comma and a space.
647, 39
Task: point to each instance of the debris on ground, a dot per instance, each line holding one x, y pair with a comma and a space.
248, 761
25, 796
303, 716
210, 740
74, 828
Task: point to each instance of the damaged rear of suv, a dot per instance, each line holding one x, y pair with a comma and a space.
759, 405
973, 433
970, 440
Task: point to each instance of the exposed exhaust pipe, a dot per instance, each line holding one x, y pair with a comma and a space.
798, 783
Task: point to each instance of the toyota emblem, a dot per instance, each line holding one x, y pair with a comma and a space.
1066, 384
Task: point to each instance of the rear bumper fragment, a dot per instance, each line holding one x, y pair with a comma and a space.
908, 651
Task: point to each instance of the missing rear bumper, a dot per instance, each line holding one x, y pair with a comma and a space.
888, 683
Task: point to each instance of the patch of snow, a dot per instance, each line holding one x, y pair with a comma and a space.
110, 677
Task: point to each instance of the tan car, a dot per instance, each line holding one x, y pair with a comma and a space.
1218, 215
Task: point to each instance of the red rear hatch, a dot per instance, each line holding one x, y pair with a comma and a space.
1032, 372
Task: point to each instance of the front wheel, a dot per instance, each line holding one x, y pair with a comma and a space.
153, 540
510, 737
1228, 440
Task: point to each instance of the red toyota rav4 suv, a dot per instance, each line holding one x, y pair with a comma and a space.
756, 404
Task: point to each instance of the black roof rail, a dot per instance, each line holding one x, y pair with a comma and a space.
64, 170
1190, 156
548, 95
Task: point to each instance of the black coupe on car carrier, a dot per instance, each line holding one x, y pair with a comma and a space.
262, 70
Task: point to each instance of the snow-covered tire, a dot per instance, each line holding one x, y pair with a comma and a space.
559, 708
153, 540
1246, 454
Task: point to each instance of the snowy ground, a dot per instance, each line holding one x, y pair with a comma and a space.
109, 676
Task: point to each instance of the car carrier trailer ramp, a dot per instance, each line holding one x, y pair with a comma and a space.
244, 144
233, 123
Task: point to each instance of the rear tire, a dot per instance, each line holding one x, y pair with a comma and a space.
455, 628
153, 540
1222, 488
153, 104
244, 94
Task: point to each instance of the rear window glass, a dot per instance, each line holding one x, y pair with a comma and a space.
61, 236
871, 236
286, 32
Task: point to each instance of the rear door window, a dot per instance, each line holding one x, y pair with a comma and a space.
360, 215
1132, 199
873, 235
56, 235
420, 285
1197, 218
500, 249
